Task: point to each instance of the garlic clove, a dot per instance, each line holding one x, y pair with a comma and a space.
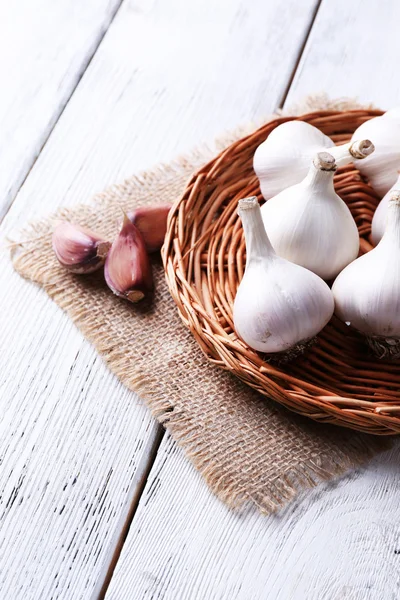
367, 292
310, 225
79, 249
380, 216
381, 168
127, 269
279, 306
152, 224
284, 158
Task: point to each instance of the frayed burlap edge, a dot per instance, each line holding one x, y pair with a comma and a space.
334, 451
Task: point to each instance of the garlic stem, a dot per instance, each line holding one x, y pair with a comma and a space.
324, 161
102, 249
320, 172
359, 149
258, 245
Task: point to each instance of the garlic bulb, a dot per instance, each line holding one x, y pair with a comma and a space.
128, 270
367, 292
279, 305
382, 167
79, 249
380, 216
310, 225
285, 156
152, 224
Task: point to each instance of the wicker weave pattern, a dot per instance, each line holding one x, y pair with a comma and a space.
336, 381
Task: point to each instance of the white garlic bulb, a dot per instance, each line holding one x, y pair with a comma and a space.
284, 158
379, 219
382, 167
310, 225
367, 292
279, 305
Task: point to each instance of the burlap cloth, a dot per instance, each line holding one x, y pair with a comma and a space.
248, 449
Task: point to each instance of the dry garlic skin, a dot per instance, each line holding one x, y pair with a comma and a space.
286, 305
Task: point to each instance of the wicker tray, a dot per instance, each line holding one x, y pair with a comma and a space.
336, 381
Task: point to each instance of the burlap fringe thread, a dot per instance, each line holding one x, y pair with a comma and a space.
246, 448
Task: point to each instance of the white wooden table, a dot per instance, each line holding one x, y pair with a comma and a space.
92, 92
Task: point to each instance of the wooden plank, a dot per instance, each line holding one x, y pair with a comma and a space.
153, 102
75, 443
352, 51
45, 47
74, 448
338, 541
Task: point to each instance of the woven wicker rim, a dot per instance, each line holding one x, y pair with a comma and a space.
336, 381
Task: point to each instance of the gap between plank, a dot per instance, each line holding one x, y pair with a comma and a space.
130, 516
300, 54
63, 105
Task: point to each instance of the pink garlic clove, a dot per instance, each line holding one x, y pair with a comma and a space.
152, 224
79, 249
127, 269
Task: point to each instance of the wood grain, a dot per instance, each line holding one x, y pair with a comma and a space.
352, 51
340, 541
155, 89
75, 445
45, 47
